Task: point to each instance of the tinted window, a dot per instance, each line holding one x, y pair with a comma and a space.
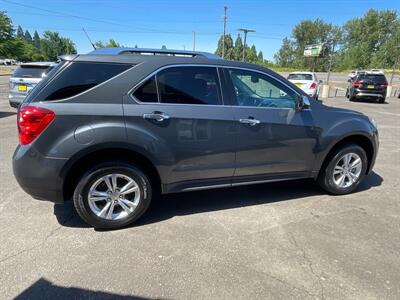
373, 77
256, 89
147, 92
300, 77
79, 77
189, 85
31, 71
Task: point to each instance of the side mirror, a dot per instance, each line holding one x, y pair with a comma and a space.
302, 102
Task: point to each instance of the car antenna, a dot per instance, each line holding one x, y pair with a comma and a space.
90, 41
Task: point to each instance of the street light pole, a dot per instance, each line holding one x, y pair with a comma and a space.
223, 37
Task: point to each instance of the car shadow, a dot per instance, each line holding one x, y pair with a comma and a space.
4, 114
180, 204
44, 289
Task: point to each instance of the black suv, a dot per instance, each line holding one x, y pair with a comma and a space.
113, 128
367, 86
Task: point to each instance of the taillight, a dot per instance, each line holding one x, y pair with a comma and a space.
32, 121
357, 84
313, 85
385, 84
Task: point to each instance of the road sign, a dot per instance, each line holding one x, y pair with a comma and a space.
313, 50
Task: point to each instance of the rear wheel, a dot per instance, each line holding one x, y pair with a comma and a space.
382, 100
344, 170
112, 195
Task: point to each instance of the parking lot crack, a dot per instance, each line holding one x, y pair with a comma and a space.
309, 263
40, 244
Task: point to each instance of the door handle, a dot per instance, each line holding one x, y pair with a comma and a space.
250, 121
156, 116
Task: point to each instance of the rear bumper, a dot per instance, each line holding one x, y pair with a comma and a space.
39, 176
16, 99
369, 94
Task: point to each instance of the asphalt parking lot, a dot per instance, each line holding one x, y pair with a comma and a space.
281, 240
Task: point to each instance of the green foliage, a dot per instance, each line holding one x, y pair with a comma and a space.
371, 41
229, 49
21, 46
110, 43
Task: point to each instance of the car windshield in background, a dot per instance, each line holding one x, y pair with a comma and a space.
31, 71
300, 77
372, 77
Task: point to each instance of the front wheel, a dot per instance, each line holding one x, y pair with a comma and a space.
112, 195
344, 170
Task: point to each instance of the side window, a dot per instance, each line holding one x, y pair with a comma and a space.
256, 89
147, 92
189, 85
79, 77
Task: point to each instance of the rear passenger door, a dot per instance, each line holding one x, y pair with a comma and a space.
188, 129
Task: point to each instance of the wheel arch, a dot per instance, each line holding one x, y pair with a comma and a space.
78, 164
358, 139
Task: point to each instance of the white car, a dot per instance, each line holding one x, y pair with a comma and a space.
353, 74
307, 81
376, 71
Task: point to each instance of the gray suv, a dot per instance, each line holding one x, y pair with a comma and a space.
113, 128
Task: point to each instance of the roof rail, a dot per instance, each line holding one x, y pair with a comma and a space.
145, 51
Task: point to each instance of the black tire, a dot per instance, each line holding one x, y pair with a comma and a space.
382, 100
352, 99
81, 193
325, 177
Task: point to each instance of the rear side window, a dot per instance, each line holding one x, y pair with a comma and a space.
30, 72
189, 85
79, 77
147, 92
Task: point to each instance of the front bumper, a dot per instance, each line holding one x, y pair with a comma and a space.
39, 176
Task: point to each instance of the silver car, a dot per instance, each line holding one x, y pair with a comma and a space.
25, 78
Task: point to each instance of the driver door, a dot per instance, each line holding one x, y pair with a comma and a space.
273, 138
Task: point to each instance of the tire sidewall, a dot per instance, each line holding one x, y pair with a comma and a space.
81, 194
328, 182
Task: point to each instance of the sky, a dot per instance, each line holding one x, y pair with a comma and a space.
153, 23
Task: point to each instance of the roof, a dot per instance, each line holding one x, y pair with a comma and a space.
148, 51
39, 63
300, 72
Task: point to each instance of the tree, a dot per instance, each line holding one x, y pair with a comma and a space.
260, 57
251, 54
20, 32
305, 33
111, 43
52, 45
370, 41
286, 54
6, 35
229, 53
28, 37
238, 50
36, 40
163, 47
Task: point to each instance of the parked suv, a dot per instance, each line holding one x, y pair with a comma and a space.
115, 127
25, 78
368, 86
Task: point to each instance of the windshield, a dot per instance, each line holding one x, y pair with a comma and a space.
300, 77
31, 71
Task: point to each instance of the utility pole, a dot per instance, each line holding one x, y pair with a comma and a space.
194, 40
245, 31
223, 37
